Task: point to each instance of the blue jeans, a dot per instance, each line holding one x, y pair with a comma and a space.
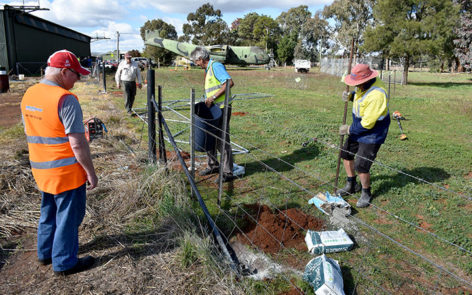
58, 230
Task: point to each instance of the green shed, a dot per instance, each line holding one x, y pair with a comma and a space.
26, 41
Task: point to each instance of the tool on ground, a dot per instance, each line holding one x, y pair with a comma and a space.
331, 205
397, 116
305, 144
94, 128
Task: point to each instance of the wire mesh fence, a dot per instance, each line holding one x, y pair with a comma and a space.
369, 267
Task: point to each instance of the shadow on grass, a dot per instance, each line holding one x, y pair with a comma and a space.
440, 84
134, 244
349, 282
296, 156
430, 174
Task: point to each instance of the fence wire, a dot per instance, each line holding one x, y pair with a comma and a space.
302, 188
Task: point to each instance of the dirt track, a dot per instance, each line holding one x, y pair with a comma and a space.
10, 102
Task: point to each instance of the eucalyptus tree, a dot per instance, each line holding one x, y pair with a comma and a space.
205, 26
463, 38
411, 28
351, 17
165, 31
315, 34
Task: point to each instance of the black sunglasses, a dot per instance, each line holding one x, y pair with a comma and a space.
78, 75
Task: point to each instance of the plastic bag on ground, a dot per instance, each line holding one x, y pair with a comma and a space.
328, 241
324, 275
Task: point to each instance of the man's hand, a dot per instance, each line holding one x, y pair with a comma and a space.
140, 85
118, 86
348, 96
81, 150
209, 100
92, 181
344, 129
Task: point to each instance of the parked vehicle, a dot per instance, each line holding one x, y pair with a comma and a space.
142, 61
302, 65
111, 64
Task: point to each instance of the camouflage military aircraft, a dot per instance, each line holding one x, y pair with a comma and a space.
236, 55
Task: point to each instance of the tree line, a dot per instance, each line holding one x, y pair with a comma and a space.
394, 29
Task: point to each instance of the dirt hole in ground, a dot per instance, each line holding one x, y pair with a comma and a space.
277, 229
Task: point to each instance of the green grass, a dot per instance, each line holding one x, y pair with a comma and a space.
438, 109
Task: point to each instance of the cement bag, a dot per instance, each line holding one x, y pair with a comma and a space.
324, 275
328, 241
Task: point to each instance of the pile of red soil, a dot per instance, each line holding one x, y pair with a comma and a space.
277, 230
239, 114
172, 156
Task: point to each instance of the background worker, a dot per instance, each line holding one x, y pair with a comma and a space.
60, 162
127, 73
370, 122
216, 78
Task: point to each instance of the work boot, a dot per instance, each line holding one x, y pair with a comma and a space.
81, 265
209, 171
46, 261
365, 198
226, 178
352, 186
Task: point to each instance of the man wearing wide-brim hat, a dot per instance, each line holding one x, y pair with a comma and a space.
370, 122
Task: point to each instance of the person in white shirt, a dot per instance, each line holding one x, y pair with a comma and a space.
126, 74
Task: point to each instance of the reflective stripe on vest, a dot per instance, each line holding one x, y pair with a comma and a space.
46, 140
53, 164
212, 89
356, 112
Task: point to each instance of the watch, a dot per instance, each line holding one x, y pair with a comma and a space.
213, 97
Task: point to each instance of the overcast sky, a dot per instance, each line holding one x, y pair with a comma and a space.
104, 18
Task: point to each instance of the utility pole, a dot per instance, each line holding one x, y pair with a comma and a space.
118, 45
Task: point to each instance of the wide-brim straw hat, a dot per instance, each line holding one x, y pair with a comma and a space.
360, 74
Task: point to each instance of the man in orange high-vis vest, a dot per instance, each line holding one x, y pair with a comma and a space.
60, 162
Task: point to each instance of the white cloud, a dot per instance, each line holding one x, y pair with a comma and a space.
226, 6
129, 38
176, 22
84, 13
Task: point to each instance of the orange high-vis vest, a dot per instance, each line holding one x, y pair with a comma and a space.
52, 160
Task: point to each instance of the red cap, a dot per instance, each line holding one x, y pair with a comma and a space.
360, 74
68, 60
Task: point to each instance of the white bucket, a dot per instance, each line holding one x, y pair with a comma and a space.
21, 77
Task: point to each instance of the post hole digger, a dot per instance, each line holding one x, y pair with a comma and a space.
397, 116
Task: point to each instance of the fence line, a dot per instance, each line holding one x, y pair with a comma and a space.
376, 231
384, 235
224, 245
352, 195
301, 187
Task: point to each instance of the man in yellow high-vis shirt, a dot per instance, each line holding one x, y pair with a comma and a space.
216, 78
